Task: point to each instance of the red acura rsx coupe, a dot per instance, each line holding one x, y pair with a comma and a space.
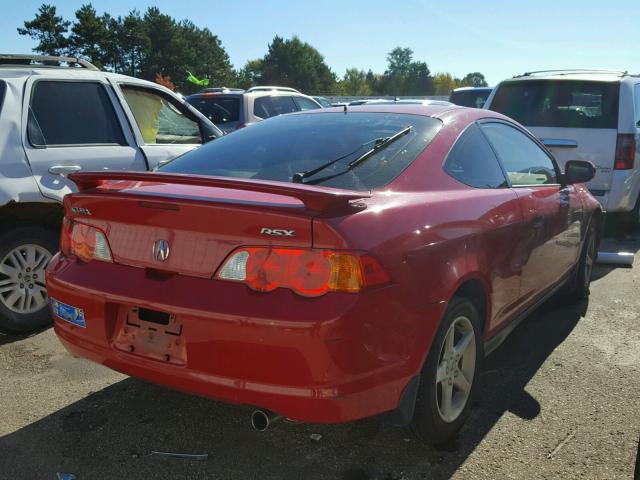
328, 265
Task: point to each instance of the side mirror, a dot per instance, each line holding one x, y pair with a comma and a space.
578, 171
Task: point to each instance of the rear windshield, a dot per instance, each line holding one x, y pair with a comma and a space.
470, 98
559, 103
3, 89
281, 147
219, 109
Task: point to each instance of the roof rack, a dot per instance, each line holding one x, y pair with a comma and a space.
44, 61
220, 90
268, 88
570, 71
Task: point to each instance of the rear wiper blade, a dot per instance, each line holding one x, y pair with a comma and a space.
379, 145
299, 177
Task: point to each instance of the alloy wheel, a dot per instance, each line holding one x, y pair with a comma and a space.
456, 369
22, 278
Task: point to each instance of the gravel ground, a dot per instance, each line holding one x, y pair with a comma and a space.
559, 399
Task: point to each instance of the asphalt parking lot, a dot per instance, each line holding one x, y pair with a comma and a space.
559, 399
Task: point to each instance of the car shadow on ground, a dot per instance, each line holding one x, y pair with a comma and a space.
8, 337
111, 433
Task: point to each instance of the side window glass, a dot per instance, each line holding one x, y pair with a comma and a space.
472, 161
304, 103
160, 120
3, 89
637, 102
72, 113
267, 107
524, 161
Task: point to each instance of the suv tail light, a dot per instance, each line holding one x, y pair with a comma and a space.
625, 151
85, 242
307, 272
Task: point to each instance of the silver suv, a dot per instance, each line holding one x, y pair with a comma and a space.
591, 115
232, 108
60, 115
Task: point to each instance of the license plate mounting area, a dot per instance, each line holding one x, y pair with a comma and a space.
151, 334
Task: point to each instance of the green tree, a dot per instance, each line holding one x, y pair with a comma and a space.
128, 43
48, 29
355, 82
297, 64
444, 82
249, 75
404, 76
200, 52
474, 79
89, 36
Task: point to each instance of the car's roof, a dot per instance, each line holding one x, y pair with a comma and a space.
477, 89
68, 73
408, 108
561, 75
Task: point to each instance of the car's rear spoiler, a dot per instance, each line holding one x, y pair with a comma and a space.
314, 197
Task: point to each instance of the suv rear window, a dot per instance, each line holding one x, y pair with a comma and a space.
470, 98
290, 144
217, 108
267, 107
559, 103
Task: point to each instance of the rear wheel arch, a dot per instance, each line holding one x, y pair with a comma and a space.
42, 214
477, 292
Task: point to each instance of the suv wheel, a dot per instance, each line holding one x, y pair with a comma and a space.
25, 252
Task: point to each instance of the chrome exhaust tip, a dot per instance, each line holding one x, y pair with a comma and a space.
261, 420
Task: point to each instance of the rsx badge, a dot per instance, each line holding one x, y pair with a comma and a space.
277, 232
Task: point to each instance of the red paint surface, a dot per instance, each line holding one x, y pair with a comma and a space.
333, 358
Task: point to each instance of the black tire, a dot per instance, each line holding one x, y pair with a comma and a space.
581, 281
428, 424
47, 239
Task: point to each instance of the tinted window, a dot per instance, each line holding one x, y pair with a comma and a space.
267, 107
470, 98
305, 104
160, 120
3, 89
637, 102
219, 109
284, 146
472, 161
525, 162
72, 113
559, 103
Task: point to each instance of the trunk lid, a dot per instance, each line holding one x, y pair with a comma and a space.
203, 219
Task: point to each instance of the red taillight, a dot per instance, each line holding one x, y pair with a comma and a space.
307, 272
85, 242
625, 151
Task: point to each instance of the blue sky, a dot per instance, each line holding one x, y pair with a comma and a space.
499, 38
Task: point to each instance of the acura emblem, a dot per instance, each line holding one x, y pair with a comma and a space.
161, 250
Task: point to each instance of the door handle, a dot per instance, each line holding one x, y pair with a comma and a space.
64, 169
538, 222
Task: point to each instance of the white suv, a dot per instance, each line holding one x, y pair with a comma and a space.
589, 115
60, 115
232, 108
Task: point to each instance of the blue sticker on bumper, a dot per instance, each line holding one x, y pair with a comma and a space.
68, 313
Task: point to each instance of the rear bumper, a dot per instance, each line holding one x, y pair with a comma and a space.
624, 191
330, 359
